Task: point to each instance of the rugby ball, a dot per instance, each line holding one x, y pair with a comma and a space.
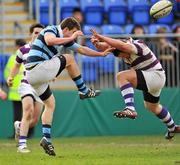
161, 9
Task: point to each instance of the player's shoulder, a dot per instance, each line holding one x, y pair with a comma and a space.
24, 49
51, 27
140, 43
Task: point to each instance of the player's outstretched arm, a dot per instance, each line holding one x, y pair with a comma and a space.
51, 39
90, 52
118, 44
101, 46
14, 71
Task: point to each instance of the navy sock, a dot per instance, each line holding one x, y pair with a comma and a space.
46, 129
80, 84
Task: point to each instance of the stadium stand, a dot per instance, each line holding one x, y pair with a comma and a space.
89, 69
153, 28
44, 12
116, 9
3, 61
139, 9
93, 11
111, 29
67, 7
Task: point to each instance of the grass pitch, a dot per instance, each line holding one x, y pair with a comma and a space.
117, 150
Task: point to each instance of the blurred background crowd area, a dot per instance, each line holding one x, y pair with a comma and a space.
116, 18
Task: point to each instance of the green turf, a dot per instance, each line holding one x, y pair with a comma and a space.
139, 150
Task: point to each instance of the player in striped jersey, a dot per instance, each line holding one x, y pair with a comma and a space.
146, 74
32, 104
44, 64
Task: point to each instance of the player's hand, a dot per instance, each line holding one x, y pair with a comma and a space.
94, 40
95, 34
10, 81
107, 51
3, 95
77, 34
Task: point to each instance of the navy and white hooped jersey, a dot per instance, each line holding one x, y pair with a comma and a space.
21, 57
144, 59
40, 51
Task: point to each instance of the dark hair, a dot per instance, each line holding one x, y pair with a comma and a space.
70, 23
76, 9
35, 25
20, 42
137, 26
176, 28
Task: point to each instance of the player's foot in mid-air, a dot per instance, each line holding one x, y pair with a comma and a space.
23, 149
17, 129
126, 113
170, 134
47, 146
90, 94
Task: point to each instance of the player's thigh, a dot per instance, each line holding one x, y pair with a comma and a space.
28, 104
46, 71
27, 97
129, 75
155, 81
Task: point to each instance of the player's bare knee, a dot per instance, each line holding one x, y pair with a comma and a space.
69, 58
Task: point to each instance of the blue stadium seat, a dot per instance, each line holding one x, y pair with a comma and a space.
89, 68
139, 10
93, 11
111, 29
116, 11
153, 28
44, 11
175, 25
176, 7
106, 64
153, 1
169, 19
128, 28
67, 7
3, 61
86, 29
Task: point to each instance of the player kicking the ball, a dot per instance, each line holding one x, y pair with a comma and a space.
44, 64
146, 74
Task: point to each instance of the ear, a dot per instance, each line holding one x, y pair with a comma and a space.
66, 29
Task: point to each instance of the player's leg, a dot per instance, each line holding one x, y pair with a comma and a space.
163, 114
155, 81
47, 117
75, 74
127, 80
36, 114
28, 108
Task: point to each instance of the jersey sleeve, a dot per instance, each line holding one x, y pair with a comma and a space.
140, 46
19, 58
51, 30
72, 46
